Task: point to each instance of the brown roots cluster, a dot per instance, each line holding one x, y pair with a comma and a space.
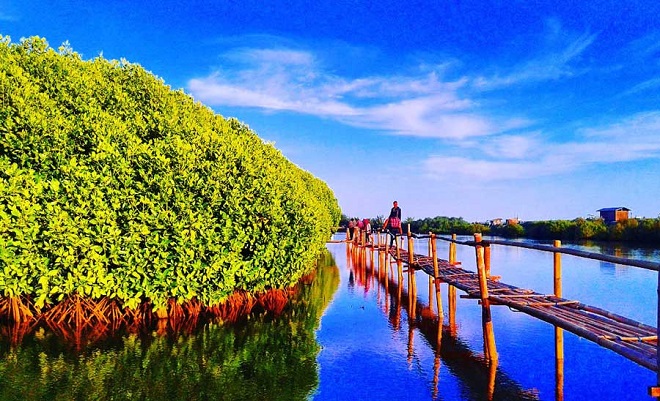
81, 320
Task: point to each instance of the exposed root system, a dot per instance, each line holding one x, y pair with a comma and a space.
80, 321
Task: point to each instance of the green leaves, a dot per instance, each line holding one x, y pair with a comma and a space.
113, 185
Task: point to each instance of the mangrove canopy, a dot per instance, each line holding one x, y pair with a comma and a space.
114, 186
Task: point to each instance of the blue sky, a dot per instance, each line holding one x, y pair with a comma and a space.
473, 109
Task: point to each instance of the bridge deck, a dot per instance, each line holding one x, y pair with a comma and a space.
634, 340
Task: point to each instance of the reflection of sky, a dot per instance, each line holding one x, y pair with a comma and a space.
364, 357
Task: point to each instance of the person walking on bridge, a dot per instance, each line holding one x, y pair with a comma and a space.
394, 222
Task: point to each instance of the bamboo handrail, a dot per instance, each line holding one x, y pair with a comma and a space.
644, 264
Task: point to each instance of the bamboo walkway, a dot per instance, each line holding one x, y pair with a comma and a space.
633, 340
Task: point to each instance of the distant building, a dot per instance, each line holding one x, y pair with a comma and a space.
496, 222
510, 222
614, 214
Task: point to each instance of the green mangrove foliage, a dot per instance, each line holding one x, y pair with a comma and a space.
259, 359
114, 185
443, 225
642, 230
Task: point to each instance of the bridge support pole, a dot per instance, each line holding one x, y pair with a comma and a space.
557, 266
438, 296
451, 293
655, 390
412, 290
431, 280
559, 332
486, 319
452, 250
487, 260
399, 264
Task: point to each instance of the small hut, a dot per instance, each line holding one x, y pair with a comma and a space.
613, 214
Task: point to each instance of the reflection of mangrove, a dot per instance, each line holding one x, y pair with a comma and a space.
265, 357
474, 371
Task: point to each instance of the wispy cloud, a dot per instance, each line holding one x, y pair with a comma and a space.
554, 61
651, 84
288, 80
521, 157
6, 17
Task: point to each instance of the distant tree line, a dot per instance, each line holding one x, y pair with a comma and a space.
646, 230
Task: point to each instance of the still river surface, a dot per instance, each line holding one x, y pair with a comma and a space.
344, 336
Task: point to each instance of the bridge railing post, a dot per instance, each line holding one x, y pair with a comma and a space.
486, 319
559, 332
654, 391
434, 255
557, 269
451, 293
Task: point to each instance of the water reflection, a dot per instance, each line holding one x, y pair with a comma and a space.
480, 378
260, 357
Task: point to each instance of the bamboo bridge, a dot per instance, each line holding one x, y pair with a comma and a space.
634, 340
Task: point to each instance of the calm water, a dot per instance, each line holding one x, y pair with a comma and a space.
345, 336
368, 354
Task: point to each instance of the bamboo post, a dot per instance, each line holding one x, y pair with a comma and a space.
487, 260
399, 264
399, 290
412, 296
431, 294
478, 249
451, 293
486, 319
431, 279
387, 245
557, 266
411, 261
411, 253
559, 332
452, 308
655, 391
380, 264
438, 296
398, 247
657, 388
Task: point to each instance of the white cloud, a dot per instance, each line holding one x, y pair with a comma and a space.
291, 80
510, 157
514, 146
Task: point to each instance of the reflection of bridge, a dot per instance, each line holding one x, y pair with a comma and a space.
480, 377
634, 340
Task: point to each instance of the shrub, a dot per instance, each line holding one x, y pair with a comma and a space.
114, 185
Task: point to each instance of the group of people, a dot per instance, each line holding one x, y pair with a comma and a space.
356, 225
393, 222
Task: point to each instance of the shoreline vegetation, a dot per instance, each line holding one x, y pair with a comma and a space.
123, 201
633, 230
